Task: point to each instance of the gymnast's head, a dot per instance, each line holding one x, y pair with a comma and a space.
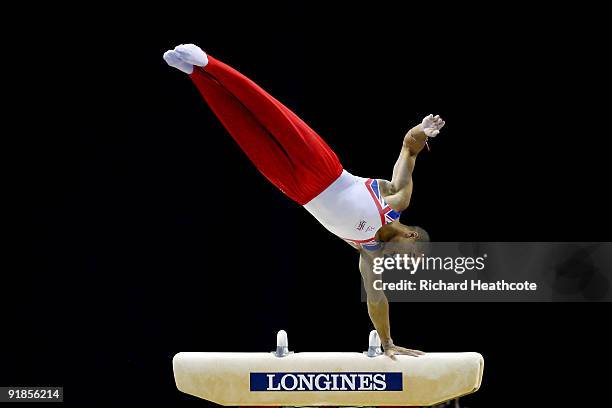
409, 234
399, 238
396, 232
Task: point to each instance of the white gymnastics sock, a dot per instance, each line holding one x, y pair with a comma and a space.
174, 60
192, 54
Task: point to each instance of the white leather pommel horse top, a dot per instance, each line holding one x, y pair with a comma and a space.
284, 378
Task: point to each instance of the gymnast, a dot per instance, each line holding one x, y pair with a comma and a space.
363, 212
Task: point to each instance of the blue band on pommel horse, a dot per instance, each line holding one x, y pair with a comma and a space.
284, 378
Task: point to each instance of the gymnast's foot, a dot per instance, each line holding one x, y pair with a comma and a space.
185, 56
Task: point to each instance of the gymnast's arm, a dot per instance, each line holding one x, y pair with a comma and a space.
378, 309
398, 192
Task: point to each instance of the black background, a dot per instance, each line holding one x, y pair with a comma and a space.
144, 231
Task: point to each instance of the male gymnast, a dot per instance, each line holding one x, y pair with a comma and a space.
363, 212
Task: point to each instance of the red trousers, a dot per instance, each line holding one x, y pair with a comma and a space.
284, 149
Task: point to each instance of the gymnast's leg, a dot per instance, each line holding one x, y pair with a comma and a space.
286, 150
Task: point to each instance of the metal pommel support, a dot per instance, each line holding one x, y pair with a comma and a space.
282, 344
374, 345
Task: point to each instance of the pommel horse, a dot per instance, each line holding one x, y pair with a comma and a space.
284, 378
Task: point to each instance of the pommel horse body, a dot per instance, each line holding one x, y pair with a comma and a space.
284, 378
